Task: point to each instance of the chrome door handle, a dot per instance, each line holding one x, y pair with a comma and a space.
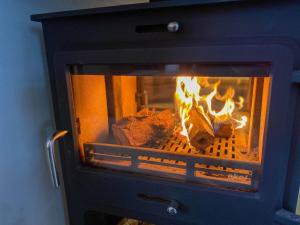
51, 154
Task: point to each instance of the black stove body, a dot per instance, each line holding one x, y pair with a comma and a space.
257, 40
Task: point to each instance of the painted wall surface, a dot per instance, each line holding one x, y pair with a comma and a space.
27, 196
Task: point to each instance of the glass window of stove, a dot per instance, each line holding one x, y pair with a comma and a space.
198, 125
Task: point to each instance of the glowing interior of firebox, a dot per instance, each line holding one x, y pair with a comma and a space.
204, 129
198, 112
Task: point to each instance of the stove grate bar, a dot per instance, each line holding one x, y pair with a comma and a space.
176, 159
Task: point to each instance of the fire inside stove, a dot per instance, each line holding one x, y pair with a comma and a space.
193, 128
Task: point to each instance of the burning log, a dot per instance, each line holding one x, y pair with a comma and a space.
223, 129
200, 131
145, 128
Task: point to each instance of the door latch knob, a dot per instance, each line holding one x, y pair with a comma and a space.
173, 208
173, 27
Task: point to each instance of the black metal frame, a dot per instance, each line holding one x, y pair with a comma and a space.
261, 206
132, 7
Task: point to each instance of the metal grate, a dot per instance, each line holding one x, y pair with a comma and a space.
233, 148
226, 162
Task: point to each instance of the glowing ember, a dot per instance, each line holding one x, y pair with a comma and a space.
189, 94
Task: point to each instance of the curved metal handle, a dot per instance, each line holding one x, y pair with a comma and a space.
51, 154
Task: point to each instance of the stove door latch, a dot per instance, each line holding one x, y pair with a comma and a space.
173, 208
173, 27
51, 154
172, 205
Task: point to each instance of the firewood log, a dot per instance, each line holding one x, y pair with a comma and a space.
146, 128
201, 133
223, 129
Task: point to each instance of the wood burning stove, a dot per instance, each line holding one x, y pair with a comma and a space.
177, 113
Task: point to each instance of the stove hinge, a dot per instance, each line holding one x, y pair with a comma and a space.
285, 217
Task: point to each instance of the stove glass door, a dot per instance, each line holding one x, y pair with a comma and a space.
187, 122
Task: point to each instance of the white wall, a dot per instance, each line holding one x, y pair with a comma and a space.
26, 193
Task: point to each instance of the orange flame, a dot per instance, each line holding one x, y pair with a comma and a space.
187, 91
188, 94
